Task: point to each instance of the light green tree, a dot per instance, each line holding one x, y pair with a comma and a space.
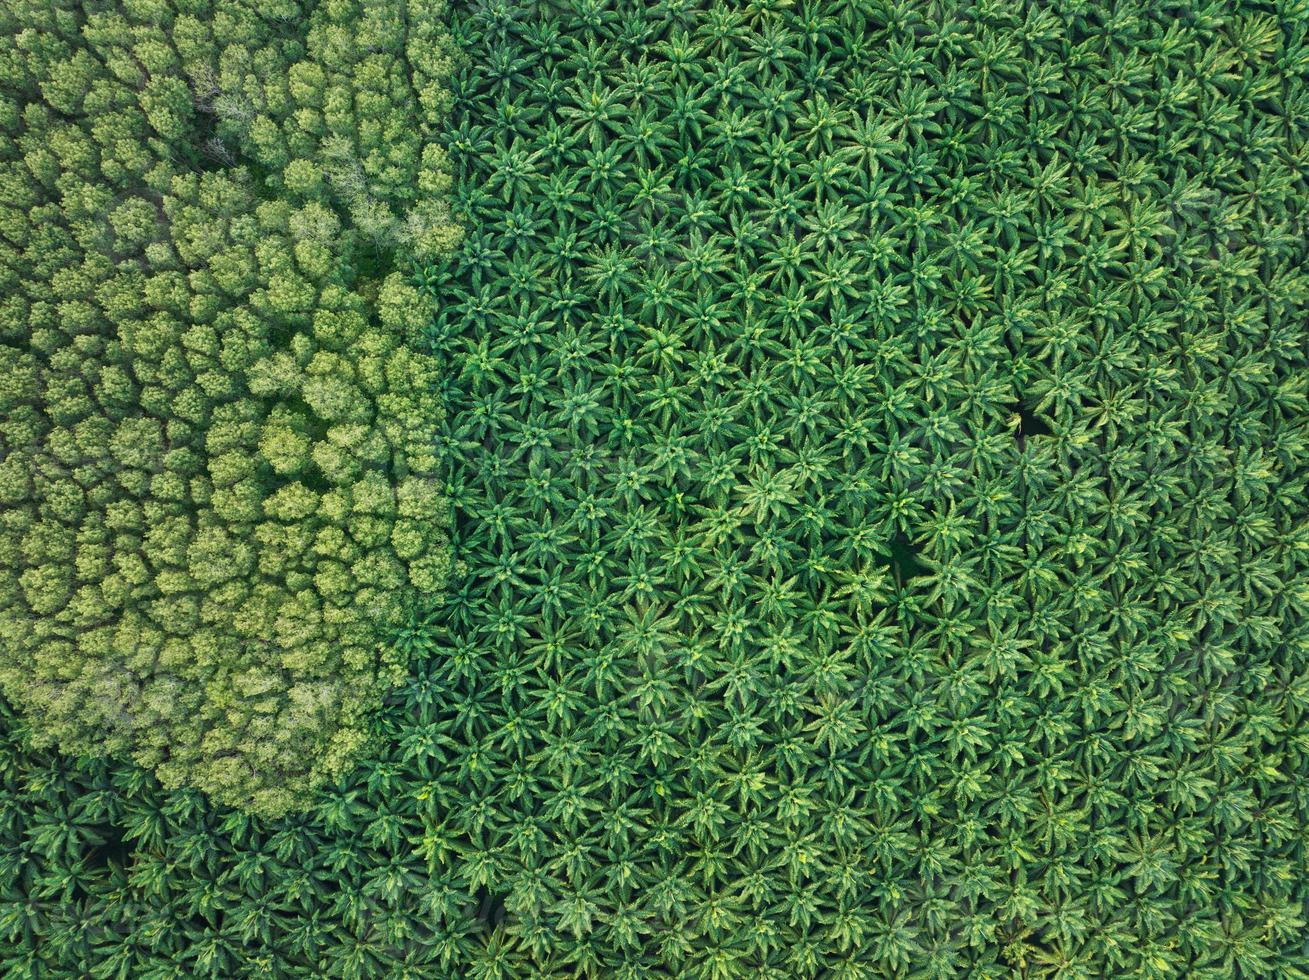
216, 486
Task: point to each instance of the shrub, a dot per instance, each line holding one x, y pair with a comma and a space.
217, 482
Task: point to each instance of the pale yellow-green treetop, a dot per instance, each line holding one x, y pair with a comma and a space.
217, 485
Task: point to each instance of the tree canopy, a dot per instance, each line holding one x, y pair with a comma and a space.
217, 493
879, 435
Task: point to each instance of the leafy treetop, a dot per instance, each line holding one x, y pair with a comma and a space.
216, 494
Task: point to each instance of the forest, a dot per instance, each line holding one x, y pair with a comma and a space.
688, 488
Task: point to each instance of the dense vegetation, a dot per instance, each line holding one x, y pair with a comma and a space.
878, 433
217, 468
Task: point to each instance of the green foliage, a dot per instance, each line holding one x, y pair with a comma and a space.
218, 480
879, 435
